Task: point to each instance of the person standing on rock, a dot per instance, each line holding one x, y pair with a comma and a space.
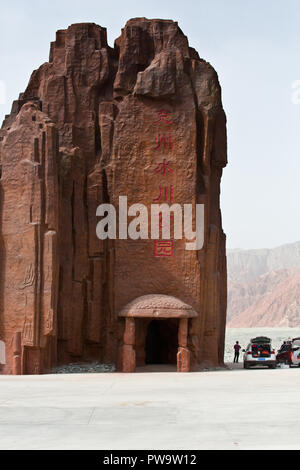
236, 348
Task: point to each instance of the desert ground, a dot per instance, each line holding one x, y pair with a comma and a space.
224, 409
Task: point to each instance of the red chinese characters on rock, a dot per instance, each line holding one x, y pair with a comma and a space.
164, 141
164, 248
163, 116
161, 224
163, 168
166, 194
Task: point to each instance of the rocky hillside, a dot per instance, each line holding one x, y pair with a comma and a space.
264, 287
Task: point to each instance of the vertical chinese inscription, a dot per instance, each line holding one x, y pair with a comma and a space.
165, 193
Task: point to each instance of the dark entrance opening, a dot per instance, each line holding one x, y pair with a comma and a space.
162, 342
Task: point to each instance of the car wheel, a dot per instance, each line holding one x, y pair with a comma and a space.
247, 367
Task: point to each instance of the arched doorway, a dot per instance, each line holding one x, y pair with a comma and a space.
161, 345
153, 347
155, 331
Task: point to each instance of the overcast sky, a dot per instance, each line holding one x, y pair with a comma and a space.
254, 46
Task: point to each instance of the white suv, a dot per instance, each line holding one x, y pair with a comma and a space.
259, 352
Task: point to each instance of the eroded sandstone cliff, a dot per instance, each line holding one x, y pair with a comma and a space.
83, 133
264, 287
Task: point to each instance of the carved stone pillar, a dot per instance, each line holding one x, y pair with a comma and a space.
183, 355
128, 358
183, 360
128, 351
129, 333
183, 332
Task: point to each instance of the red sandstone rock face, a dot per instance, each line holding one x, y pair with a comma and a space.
84, 133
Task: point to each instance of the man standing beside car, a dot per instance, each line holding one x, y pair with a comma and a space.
236, 348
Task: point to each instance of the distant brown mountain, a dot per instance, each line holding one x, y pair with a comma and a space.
264, 287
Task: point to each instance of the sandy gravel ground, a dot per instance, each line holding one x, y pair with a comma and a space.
229, 409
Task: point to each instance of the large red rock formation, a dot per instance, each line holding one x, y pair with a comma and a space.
84, 133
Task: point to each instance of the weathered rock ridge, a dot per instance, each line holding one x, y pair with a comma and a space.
248, 265
93, 124
272, 300
264, 287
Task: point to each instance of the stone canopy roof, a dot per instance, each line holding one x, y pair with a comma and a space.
158, 306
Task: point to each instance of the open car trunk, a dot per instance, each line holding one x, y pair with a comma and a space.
261, 347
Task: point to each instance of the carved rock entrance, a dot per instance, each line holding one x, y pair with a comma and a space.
155, 332
161, 345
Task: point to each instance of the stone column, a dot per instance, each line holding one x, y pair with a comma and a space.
183, 355
128, 351
16, 366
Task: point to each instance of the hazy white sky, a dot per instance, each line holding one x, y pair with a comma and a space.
254, 46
